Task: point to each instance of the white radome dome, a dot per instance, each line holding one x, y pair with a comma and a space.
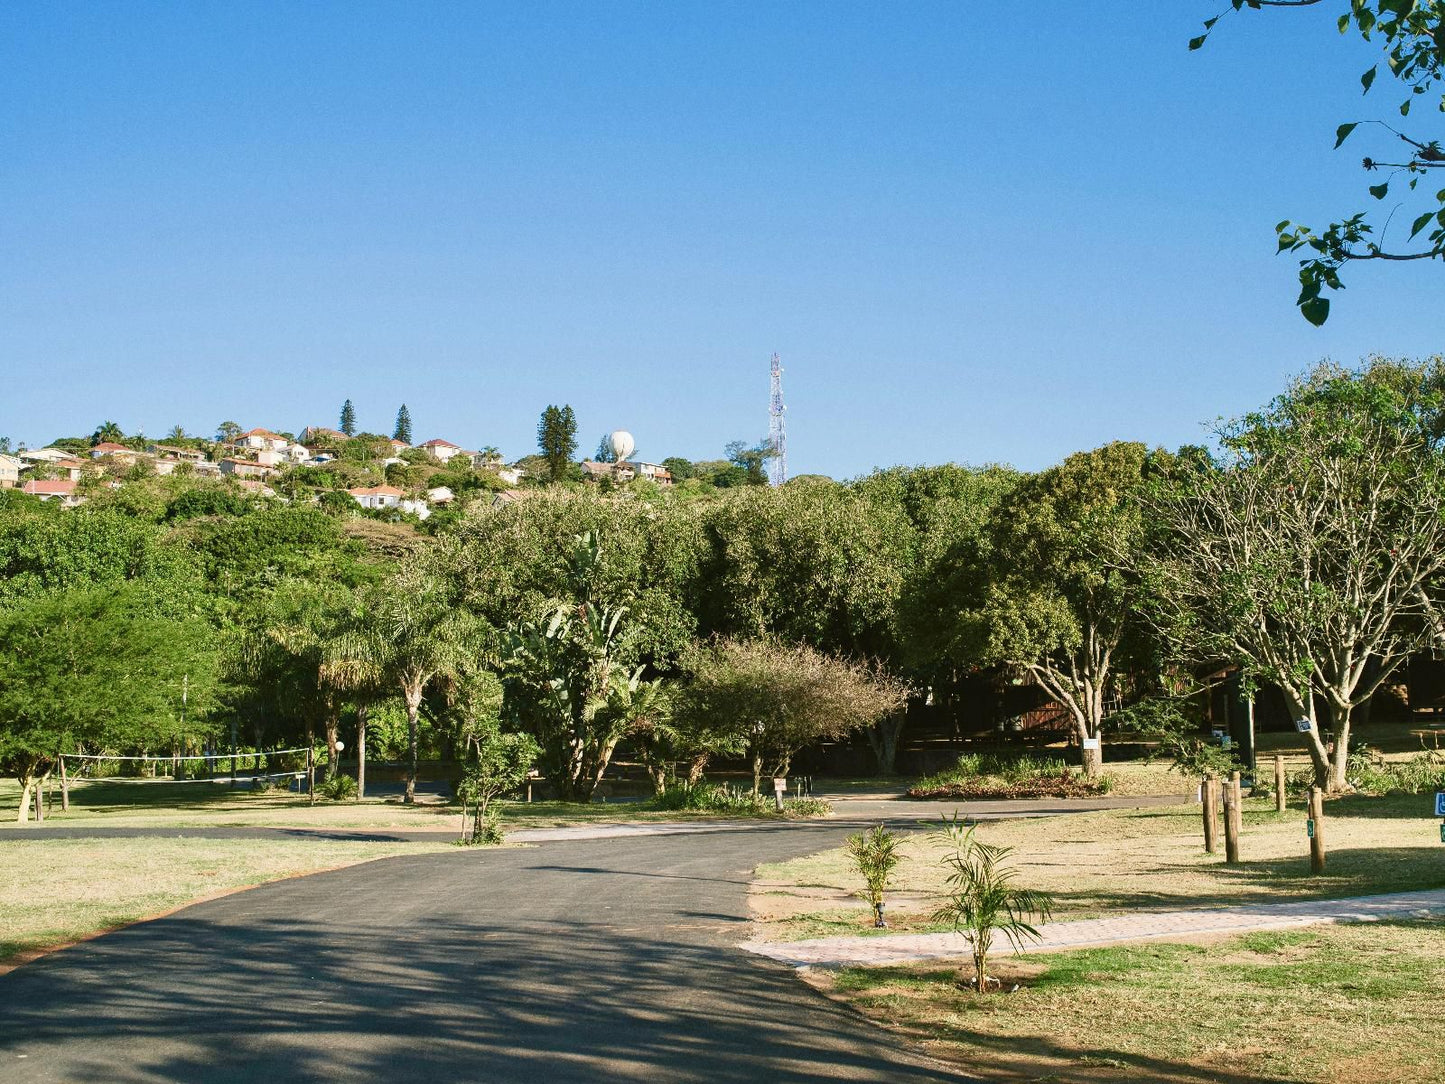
622, 444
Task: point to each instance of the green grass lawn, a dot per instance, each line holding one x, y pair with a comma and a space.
1330, 1004
57, 890
1097, 863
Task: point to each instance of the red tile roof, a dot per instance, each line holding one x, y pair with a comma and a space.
263, 433
107, 446
377, 491
37, 486
440, 444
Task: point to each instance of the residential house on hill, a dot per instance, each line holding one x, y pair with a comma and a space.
625, 471
374, 497
59, 490
244, 468
10, 471
322, 436
263, 440
377, 497
442, 449
46, 455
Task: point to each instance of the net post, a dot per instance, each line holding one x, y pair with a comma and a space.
64, 785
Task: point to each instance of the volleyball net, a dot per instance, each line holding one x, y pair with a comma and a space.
266, 766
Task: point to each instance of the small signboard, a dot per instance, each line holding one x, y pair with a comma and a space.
1442, 832
1303, 725
1440, 803
1091, 743
1310, 828
780, 784
1226, 742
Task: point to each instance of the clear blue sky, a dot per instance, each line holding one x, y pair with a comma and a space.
975, 232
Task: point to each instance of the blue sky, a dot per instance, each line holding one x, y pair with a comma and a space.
975, 232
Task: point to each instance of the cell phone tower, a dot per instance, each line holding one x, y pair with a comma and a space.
778, 427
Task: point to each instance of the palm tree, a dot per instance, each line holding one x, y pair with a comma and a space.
107, 432
178, 432
417, 636
643, 709
984, 901
875, 856
310, 624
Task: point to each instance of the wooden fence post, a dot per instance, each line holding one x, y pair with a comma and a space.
1317, 830
64, 788
311, 772
1278, 783
1211, 826
1232, 820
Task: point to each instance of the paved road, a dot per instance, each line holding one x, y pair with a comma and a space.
600, 960
596, 960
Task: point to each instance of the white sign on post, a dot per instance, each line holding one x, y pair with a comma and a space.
780, 785
1091, 743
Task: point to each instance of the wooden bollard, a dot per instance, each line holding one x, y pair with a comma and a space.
1208, 798
1279, 784
1317, 830
1233, 820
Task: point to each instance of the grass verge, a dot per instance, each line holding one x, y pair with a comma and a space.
1141, 859
1333, 1003
65, 889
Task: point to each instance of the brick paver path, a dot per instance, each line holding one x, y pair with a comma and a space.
1086, 933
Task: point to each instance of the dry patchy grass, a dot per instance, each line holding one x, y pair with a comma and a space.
1335, 1003
1096, 863
165, 804
57, 890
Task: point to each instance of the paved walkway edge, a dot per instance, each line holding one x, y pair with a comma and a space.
1087, 933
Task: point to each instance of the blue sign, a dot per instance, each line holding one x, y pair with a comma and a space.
1440, 803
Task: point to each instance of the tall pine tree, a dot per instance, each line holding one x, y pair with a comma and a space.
403, 425
557, 440
348, 418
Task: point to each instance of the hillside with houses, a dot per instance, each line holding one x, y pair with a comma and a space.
357, 473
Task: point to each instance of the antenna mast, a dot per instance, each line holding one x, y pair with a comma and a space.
778, 427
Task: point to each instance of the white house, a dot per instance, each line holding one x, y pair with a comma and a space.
377, 496
46, 455
440, 495
511, 475
10, 471
263, 439
442, 449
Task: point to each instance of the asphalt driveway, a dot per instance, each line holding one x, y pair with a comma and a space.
596, 960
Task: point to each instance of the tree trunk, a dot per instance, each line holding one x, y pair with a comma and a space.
1301, 706
757, 770
26, 782
64, 787
659, 778
333, 731
696, 768
361, 751
883, 739
413, 709
1340, 755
